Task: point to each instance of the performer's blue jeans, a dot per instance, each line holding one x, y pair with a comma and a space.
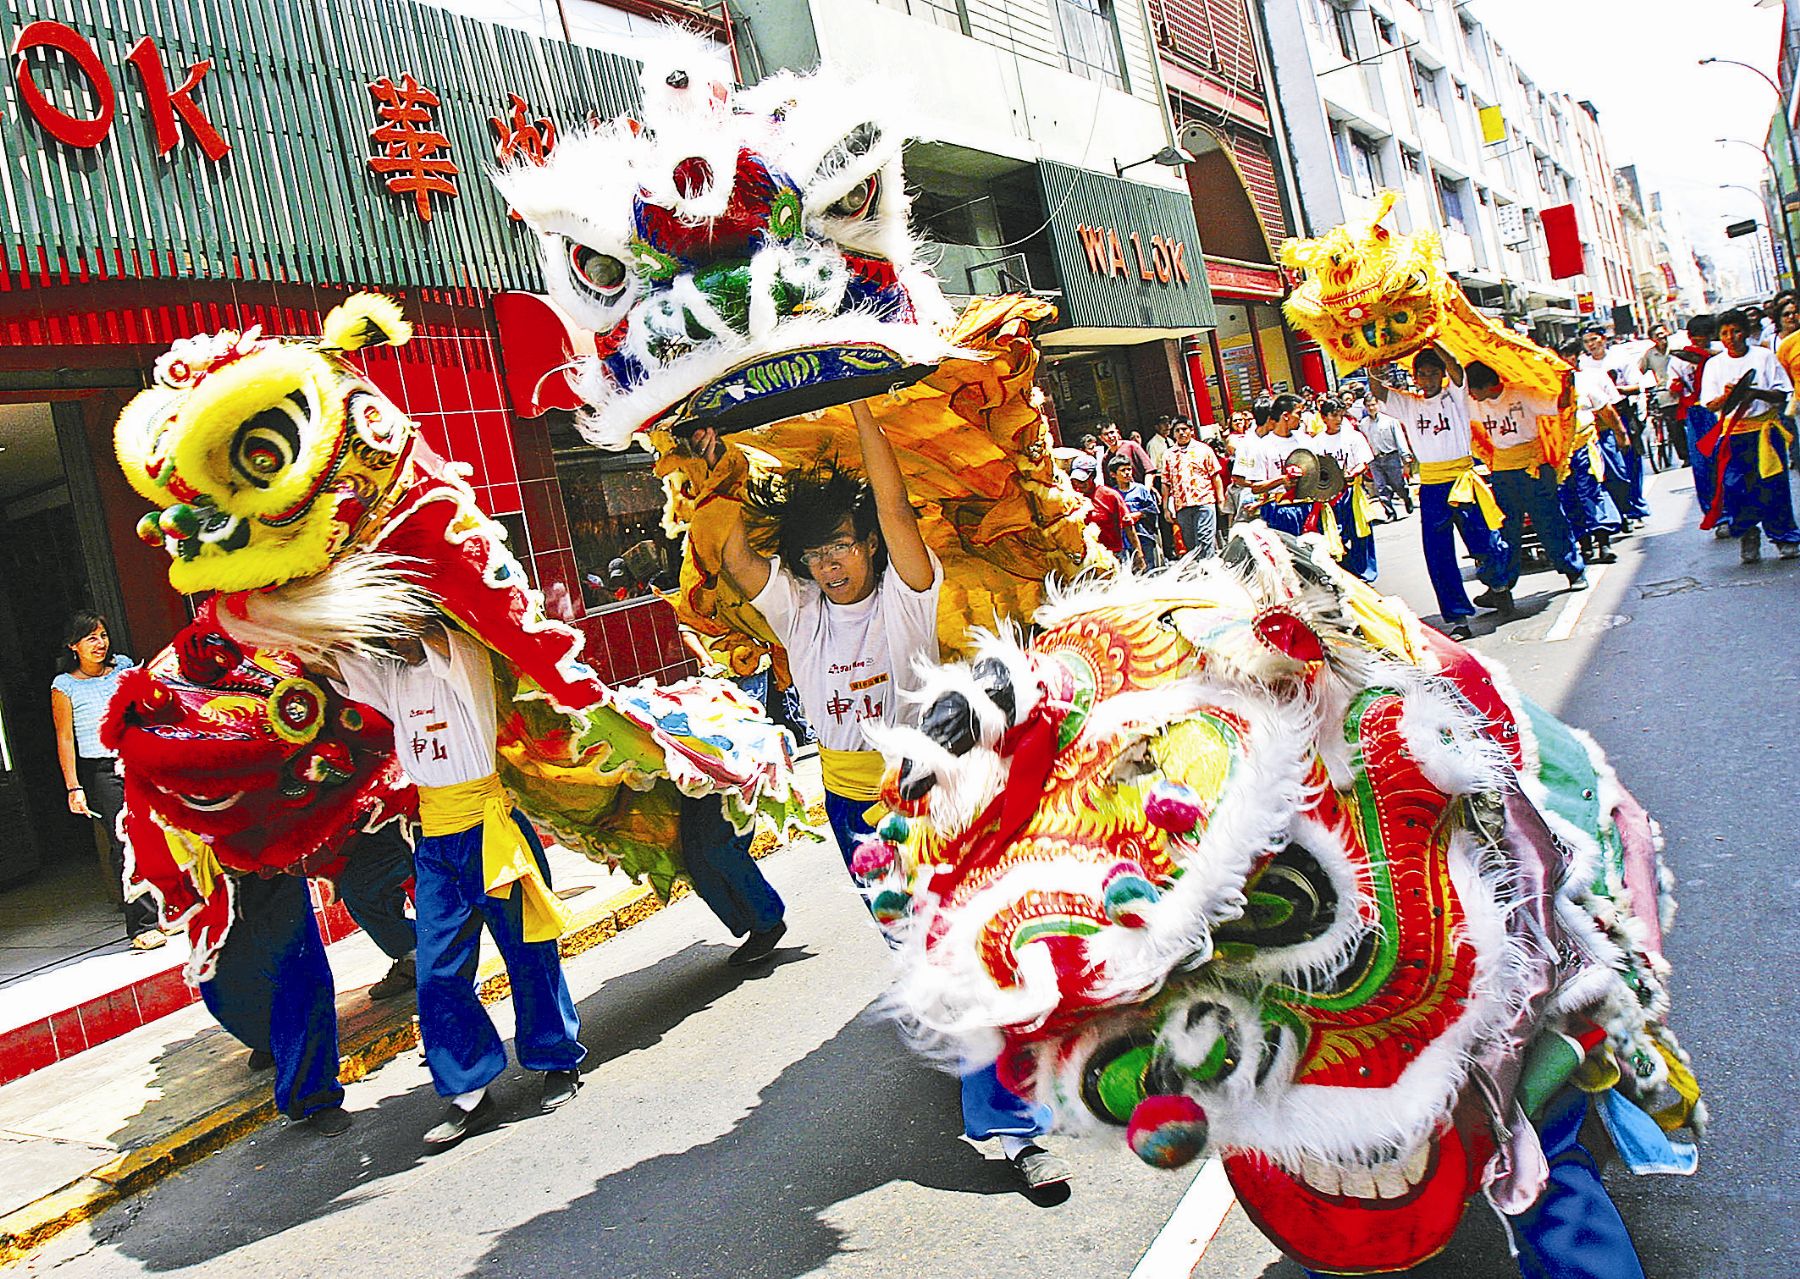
373, 889
1439, 522
1751, 500
989, 1108
1585, 502
1574, 1230
272, 989
1359, 549
1533, 493
461, 1046
1699, 422
723, 873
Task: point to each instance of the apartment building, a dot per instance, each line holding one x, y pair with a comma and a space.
1418, 97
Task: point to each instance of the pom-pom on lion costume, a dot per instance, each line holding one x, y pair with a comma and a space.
288, 484
744, 262
1244, 859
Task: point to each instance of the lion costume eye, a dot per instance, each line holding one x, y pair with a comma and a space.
599, 272
857, 201
268, 443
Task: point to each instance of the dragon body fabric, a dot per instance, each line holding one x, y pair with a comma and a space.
743, 261
287, 484
1243, 858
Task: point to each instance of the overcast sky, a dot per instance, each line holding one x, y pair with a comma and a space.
1637, 61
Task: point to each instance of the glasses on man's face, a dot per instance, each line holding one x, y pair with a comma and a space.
831, 552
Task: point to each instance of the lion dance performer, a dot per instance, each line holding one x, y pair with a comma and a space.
330, 533
762, 320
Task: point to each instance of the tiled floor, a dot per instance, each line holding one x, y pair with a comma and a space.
59, 916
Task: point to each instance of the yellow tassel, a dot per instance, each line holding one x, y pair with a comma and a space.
365, 319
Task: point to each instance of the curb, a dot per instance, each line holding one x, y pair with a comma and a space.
365, 1048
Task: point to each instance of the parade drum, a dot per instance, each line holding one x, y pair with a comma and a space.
1321, 478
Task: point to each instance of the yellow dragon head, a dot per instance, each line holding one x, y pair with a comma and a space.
1369, 296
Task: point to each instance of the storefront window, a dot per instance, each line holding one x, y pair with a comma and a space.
614, 503
1273, 341
1089, 390
1237, 356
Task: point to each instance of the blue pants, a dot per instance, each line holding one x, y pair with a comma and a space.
373, 889
1533, 493
273, 990
1439, 521
989, 1108
1750, 500
1359, 551
723, 873
1573, 1231
1286, 517
461, 1046
1585, 502
1699, 422
1624, 467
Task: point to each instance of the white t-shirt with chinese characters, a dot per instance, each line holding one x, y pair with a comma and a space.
1436, 425
1759, 361
442, 709
1511, 419
1347, 446
851, 662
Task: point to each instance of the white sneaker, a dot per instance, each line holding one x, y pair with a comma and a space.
1788, 550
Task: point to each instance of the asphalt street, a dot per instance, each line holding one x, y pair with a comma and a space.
772, 1126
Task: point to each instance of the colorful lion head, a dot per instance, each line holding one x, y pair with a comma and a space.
1242, 859
740, 256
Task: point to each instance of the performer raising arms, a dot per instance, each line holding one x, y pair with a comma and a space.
852, 594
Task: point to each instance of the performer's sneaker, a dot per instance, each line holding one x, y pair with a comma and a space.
1498, 600
402, 976
333, 1121
560, 1087
260, 1061
1750, 546
758, 946
1578, 582
1460, 631
1721, 531
1606, 555
1788, 550
1039, 1168
459, 1123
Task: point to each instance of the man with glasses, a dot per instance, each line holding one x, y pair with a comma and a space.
852, 594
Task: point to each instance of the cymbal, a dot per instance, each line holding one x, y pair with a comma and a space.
1322, 479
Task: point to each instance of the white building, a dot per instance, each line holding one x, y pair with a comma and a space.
1412, 92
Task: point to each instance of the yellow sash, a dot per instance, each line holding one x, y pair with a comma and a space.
1528, 456
852, 774
1465, 486
1768, 461
1361, 506
506, 859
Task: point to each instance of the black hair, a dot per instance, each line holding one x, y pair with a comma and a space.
1705, 326
1284, 404
1330, 405
1430, 359
792, 513
1734, 316
1088, 440
80, 625
1480, 376
1261, 409
1570, 348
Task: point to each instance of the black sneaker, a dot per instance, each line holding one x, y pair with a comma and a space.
333, 1121
458, 1123
1039, 1168
260, 1061
1498, 600
1460, 631
402, 976
560, 1087
758, 946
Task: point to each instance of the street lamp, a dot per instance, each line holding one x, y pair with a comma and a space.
1761, 208
1781, 200
1170, 157
1786, 131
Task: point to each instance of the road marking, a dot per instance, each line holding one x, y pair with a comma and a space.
1180, 1245
1564, 625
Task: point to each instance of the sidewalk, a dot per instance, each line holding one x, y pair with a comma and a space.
83, 1133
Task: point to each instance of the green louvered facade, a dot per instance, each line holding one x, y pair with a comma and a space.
295, 199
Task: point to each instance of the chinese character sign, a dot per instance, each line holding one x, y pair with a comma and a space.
520, 137
409, 143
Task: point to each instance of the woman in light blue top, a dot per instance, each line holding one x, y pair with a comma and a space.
78, 700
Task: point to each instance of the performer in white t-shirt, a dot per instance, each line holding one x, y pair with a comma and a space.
851, 593
1351, 510
1522, 478
1746, 386
1452, 498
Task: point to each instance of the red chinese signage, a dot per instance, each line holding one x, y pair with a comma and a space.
519, 136
1165, 264
169, 108
1245, 279
410, 143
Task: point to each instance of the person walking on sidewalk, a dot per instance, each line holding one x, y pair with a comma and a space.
88, 675
437, 692
852, 594
1523, 481
1452, 498
1193, 488
1140, 504
1746, 387
1388, 443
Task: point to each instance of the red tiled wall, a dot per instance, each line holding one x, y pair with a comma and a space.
1258, 168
